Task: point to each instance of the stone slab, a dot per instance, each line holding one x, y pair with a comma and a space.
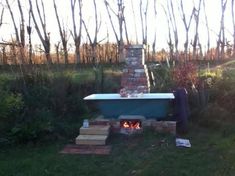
95, 130
91, 139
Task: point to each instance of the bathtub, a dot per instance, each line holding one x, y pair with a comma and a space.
149, 105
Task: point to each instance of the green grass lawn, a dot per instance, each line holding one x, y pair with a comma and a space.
212, 153
211, 133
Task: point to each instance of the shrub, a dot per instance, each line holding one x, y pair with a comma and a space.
10, 104
162, 78
185, 76
50, 102
32, 128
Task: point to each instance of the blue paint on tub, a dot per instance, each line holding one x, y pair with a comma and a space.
151, 105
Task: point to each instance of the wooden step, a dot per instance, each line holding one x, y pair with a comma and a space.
91, 139
95, 130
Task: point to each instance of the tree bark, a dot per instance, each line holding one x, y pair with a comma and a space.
94, 42
221, 36
196, 35
144, 25
44, 36
187, 27
120, 18
233, 22
208, 31
172, 20
155, 30
13, 21
170, 43
77, 35
1, 17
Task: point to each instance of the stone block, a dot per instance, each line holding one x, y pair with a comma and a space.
148, 122
139, 70
91, 139
95, 130
165, 126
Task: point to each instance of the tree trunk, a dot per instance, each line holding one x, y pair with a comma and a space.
44, 36
233, 22
175, 30
77, 34
221, 36
120, 18
208, 31
196, 36
186, 26
63, 35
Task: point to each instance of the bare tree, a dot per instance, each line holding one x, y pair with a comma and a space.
42, 32
19, 34
170, 43
126, 33
13, 21
22, 25
93, 42
172, 20
120, 17
155, 29
186, 26
57, 48
196, 35
133, 12
1, 17
77, 35
144, 25
221, 36
29, 31
233, 21
207, 27
63, 35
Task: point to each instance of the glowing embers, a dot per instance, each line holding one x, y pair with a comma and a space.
131, 124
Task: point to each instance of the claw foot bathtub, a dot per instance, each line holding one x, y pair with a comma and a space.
149, 105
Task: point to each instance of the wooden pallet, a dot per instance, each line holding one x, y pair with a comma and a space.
87, 149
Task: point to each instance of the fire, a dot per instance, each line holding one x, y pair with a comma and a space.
132, 124
136, 125
126, 125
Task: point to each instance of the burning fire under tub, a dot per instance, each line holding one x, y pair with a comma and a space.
149, 105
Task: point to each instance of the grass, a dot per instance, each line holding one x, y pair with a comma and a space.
212, 153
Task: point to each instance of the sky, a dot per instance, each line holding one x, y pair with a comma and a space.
212, 10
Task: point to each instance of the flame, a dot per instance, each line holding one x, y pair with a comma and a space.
137, 125
126, 125
131, 124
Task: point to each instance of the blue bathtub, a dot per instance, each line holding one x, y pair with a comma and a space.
149, 105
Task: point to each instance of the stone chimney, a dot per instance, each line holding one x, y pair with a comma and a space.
135, 78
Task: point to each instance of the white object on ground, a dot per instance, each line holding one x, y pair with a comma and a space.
182, 142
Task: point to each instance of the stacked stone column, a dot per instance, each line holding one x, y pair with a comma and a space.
135, 78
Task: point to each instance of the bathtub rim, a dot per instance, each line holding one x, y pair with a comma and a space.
116, 96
